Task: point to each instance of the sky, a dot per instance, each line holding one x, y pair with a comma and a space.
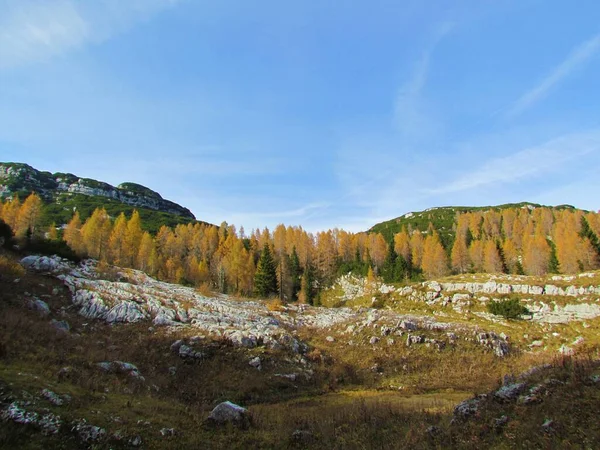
316, 113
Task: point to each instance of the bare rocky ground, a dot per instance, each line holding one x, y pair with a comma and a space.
170, 354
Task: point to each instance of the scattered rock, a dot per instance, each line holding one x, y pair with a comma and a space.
120, 367
287, 376
433, 431
330, 339
54, 398
88, 433
176, 345
510, 391
186, 352
500, 422
135, 441
566, 351
40, 306
467, 408
374, 340
228, 412
167, 432
302, 437
48, 423
255, 362
61, 325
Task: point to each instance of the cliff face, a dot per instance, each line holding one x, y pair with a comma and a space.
16, 178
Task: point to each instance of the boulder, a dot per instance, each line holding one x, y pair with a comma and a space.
255, 362
40, 306
61, 325
229, 413
187, 352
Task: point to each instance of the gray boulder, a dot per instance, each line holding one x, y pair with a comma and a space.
40, 306
228, 412
61, 325
510, 391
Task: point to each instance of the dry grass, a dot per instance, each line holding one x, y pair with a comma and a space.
360, 396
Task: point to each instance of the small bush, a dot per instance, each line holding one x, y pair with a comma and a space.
275, 304
10, 269
49, 247
508, 308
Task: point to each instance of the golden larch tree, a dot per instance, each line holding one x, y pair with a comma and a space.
29, 215
492, 263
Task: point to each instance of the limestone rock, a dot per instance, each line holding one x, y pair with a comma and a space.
88, 433
61, 325
228, 412
40, 306
510, 391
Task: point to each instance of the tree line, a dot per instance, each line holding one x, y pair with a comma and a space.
294, 264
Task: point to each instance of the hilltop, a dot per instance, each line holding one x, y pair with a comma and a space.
443, 219
64, 192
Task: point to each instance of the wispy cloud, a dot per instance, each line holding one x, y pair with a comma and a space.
528, 162
410, 117
576, 59
35, 31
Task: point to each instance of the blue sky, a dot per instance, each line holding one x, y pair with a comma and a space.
315, 113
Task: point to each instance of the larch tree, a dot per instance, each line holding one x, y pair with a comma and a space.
52, 233
476, 255
492, 263
536, 255
416, 248
29, 215
72, 235
146, 256
567, 243
10, 212
133, 238
511, 256
95, 233
460, 254
116, 241
402, 244
435, 261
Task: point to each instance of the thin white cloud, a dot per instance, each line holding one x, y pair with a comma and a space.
576, 59
410, 117
525, 163
33, 31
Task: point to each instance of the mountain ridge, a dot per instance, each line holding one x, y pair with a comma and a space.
22, 179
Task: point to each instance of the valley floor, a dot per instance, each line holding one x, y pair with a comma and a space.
115, 359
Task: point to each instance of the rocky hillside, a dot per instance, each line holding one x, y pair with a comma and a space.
22, 179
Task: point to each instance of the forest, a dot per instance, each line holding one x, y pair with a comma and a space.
293, 264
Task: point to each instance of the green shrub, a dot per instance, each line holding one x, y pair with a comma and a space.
508, 308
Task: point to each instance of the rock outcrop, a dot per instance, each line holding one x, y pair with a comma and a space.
22, 178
